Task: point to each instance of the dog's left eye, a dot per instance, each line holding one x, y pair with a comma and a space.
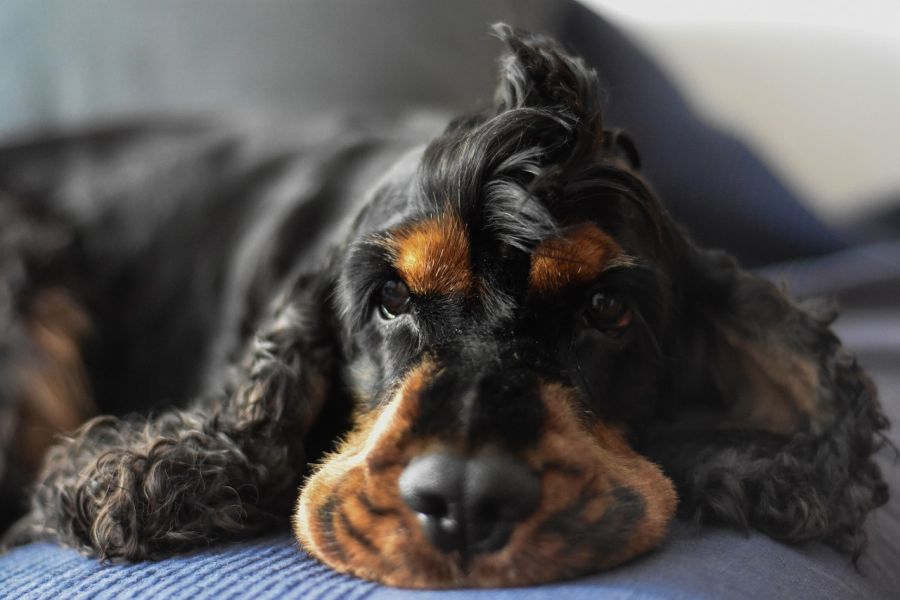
393, 299
608, 314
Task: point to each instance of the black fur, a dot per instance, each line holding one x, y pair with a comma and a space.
226, 270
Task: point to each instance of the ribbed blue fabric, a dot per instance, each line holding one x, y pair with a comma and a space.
265, 568
695, 563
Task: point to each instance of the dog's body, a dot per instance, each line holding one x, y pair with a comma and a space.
154, 248
535, 356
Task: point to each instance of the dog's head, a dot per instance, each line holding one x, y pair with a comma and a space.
522, 325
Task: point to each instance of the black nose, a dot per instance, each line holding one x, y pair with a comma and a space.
470, 505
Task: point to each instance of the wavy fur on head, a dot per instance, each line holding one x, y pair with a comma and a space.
510, 293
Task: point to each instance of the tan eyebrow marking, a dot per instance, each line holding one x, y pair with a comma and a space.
432, 256
580, 255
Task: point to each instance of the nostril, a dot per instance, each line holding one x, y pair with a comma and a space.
427, 504
432, 486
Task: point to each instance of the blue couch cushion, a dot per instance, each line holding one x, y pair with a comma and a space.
694, 563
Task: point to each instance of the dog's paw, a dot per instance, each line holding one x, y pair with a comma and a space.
117, 490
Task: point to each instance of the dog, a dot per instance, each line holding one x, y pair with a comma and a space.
487, 359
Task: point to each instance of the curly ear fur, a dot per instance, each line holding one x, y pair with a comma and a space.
226, 467
788, 421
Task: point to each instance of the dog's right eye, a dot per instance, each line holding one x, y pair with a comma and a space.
608, 314
393, 299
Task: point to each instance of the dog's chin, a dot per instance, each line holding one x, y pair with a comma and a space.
424, 568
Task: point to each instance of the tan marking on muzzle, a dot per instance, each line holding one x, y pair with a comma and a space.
370, 527
588, 466
350, 514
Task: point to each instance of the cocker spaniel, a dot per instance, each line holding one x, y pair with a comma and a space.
488, 360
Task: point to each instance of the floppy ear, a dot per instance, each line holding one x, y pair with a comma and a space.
776, 423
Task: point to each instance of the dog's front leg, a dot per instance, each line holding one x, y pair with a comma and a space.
228, 466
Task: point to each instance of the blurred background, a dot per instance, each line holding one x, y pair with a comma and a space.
813, 86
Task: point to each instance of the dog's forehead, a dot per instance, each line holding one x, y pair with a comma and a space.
440, 245
442, 254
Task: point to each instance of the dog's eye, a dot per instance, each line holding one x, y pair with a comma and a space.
393, 299
608, 314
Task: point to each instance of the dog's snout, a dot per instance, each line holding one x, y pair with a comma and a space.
469, 505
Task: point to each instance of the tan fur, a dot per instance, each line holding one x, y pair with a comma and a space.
366, 469
56, 398
605, 460
432, 256
576, 257
375, 536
